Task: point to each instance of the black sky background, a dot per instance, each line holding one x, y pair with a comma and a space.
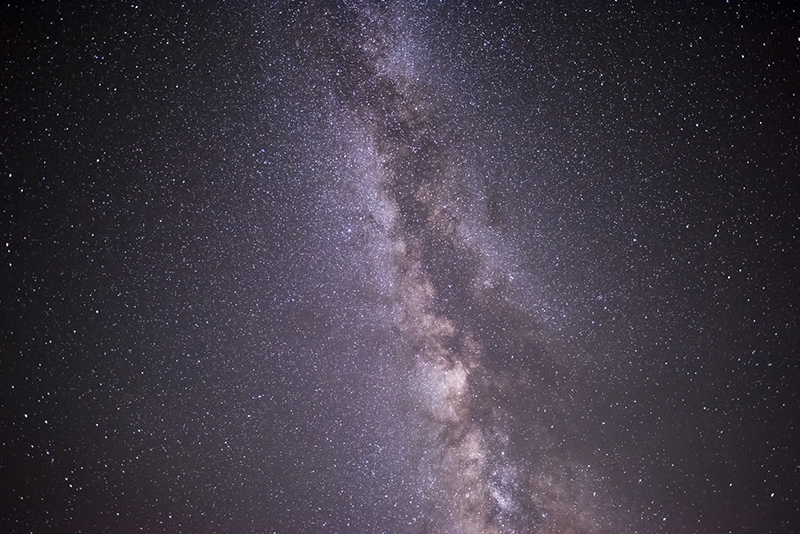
199, 333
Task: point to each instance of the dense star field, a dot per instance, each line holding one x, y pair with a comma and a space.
400, 267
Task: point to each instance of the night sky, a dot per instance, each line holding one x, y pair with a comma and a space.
400, 268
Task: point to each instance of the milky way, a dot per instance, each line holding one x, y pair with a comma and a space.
373, 267
445, 281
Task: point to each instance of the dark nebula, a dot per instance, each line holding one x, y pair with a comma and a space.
400, 267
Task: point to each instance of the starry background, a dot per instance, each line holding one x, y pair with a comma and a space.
362, 267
